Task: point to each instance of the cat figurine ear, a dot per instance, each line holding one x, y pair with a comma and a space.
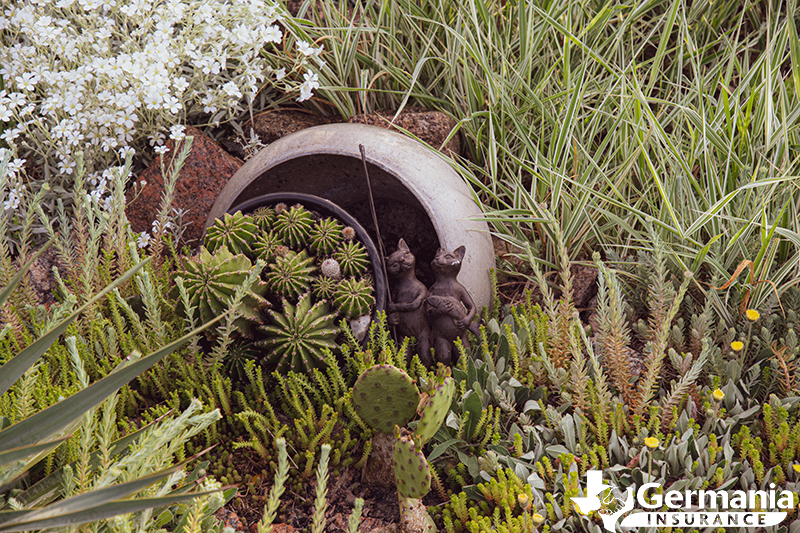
402, 246
460, 252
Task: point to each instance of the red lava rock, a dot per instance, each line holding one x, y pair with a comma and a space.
229, 519
273, 124
205, 172
433, 127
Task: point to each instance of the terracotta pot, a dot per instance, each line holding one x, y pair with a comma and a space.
418, 196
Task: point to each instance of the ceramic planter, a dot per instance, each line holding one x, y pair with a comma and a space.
418, 196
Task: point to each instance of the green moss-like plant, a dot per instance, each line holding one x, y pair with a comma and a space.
297, 335
236, 232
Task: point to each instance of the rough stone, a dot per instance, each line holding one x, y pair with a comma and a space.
584, 284
273, 124
230, 519
205, 172
41, 276
433, 127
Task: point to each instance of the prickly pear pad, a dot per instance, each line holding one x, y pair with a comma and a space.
411, 469
385, 396
434, 409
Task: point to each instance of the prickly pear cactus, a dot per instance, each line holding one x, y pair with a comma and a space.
411, 469
385, 396
296, 336
293, 225
434, 408
353, 297
210, 280
236, 232
291, 274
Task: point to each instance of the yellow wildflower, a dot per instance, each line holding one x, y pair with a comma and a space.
537, 519
796, 467
752, 315
718, 395
524, 501
651, 442
737, 346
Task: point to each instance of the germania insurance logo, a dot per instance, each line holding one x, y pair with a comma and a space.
690, 508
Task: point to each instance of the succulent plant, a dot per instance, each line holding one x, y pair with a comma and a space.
411, 469
330, 269
290, 275
325, 236
384, 396
348, 233
265, 245
236, 232
210, 279
293, 226
238, 354
324, 287
296, 335
264, 216
352, 258
353, 297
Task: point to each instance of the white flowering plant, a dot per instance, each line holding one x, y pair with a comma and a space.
107, 77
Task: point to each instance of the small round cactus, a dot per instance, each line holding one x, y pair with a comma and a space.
330, 269
348, 233
265, 245
324, 287
290, 275
353, 297
353, 258
325, 236
296, 335
294, 225
211, 279
264, 217
236, 232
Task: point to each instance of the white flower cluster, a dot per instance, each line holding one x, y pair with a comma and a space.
101, 76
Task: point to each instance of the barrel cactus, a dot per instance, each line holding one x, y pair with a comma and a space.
291, 275
352, 258
297, 334
325, 236
353, 297
293, 226
264, 217
265, 246
236, 232
211, 280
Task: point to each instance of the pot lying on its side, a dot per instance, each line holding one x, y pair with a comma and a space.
418, 196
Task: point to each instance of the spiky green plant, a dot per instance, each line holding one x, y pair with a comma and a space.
352, 258
210, 280
325, 236
265, 245
324, 287
291, 275
264, 216
354, 297
293, 226
235, 232
296, 336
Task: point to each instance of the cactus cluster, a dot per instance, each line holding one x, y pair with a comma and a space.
312, 263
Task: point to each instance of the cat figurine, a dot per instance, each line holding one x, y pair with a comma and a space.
408, 296
449, 308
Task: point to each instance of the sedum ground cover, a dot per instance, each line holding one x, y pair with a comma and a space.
654, 141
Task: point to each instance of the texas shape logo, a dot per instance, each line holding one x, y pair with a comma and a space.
591, 501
